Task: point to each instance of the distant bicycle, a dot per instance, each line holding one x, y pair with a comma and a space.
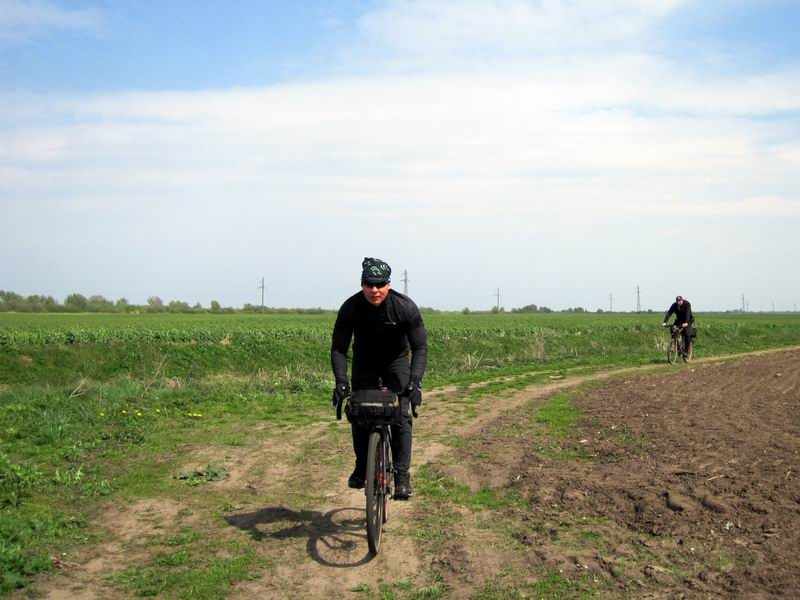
675, 346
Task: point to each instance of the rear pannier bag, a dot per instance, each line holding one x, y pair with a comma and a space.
366, 408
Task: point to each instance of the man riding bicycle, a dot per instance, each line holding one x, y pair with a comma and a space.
385, 326
684, 318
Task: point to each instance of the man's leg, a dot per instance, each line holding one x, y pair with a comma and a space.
401, 437
687, 338
401, 451
360, 442
396, 380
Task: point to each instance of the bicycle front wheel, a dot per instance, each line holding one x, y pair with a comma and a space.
672, 351
376, 496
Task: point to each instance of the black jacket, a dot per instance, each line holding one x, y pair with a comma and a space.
683, 314
382, 335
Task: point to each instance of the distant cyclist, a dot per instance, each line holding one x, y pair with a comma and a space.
682, 309
385, 325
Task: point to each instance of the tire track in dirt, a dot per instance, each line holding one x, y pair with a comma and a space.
313, 552
329, 554
698, 498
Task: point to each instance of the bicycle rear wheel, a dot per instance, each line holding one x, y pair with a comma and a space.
672, 351
375, 492
687, 352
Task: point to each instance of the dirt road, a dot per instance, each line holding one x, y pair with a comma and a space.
677, 483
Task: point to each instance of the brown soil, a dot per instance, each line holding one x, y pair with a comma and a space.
687, 482
690, 480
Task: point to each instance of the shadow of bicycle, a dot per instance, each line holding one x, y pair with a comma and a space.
335, 539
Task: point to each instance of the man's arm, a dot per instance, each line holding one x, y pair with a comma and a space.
418, 341
340, 343
669, 312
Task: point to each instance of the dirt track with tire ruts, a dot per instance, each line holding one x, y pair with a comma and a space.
695, 473
685, 485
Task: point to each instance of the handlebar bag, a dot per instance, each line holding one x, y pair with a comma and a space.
367, 408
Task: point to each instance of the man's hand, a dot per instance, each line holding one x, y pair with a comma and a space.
685, 325
663, 324
414, 392
340, 392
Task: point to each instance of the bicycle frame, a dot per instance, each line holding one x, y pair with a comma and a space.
676, 346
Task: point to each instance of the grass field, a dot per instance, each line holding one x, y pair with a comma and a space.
99, 408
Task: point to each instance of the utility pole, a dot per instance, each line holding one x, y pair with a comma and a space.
611, 302
773, 306
747, 309
498, 299
262, 287
405, 283
638, 300
742, 302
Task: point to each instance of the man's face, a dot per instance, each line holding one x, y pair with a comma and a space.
375, 293
679, 302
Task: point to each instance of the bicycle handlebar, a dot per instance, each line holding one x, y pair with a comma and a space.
339, 411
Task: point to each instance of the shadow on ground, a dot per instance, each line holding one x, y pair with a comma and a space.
335, 539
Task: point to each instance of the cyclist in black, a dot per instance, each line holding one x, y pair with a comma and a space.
684, 317
386, 325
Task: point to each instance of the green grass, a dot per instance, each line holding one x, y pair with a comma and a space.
187, 573
553, 586
558, 414
97, 408
437, 487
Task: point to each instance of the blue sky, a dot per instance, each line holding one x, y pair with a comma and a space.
558, 150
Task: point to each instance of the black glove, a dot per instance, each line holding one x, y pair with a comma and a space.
340, 392
414, 392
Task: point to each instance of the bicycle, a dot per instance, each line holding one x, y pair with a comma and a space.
376, 409
378, 489
675, 346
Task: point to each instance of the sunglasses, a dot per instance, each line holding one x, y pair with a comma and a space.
380, 285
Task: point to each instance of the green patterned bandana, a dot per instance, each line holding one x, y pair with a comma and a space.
374, 270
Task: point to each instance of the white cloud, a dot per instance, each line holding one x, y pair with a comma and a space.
20, 19
789, 153
755, 207
567, 151
422, 28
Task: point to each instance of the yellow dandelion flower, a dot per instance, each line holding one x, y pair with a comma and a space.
124, 412
102, 414
138, 413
